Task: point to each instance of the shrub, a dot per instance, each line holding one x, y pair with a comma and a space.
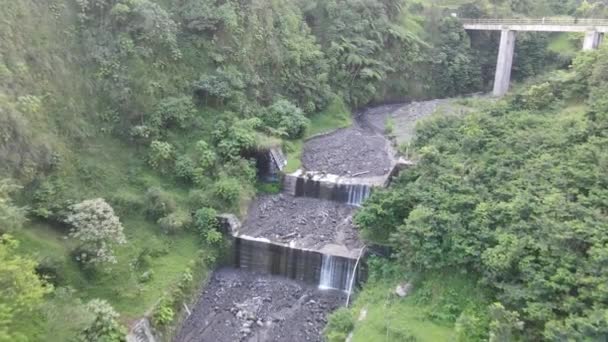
21, 290
64, 303
228, 190
286, 117
126, 202
340, 323
173, 111
242, 169
223, 85
184, 168
205, 155
389, 127
205, 219
105, 326
11, 216
234, 139
161, 154
97, 228
141, 133
213, 237
50, 200
175, 222
50, 269
159, 204
200, 198
29, 104
163, 313
537, 97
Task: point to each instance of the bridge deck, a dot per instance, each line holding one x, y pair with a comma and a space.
539, 25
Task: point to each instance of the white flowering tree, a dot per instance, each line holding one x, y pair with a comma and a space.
98, 229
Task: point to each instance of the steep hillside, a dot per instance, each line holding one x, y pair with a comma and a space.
512, 194
139, 117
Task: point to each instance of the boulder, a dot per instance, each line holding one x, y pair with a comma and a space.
404, 289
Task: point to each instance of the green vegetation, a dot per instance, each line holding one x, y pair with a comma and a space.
514, 194
436, 305
125, 127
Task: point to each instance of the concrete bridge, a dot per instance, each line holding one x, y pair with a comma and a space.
593, 29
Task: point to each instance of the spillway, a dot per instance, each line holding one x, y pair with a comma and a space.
312, 267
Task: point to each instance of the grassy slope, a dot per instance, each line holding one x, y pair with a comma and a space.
93, 163
109, 161
427, 314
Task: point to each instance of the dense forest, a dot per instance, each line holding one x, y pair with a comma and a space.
514, 194
127, 125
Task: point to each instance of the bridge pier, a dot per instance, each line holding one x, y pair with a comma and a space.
504, 62
592, 40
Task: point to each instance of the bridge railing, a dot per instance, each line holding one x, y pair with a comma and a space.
537, 21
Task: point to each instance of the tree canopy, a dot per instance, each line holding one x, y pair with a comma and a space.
515, 192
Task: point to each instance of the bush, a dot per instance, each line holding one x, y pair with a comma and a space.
98, 230
173, 111
340, 324
242, 169
205, 219
537, 97
161, 155
141, 133
64, 303
184, 168
163, 313
126, 202
288, 118
175, 222
205, 157
50, 269
234, 139
228, 190
213, 237
223, 85
11, 216
159, 204
50, 200
105, 326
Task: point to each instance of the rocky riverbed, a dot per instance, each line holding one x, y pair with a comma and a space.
302, 223
238, 305
404, 116
348, 152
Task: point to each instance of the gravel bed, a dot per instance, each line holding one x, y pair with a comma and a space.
403, 116
311, 223
238, 305
347, 152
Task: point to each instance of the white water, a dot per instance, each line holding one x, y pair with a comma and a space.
357, 194
352, 278
335, 273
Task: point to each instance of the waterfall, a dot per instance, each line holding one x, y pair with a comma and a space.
351, 194
336, 273
352, 279
357, 193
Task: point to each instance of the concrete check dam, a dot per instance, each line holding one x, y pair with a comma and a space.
297, 256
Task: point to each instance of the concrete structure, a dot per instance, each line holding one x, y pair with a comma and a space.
593, 29
502, 78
